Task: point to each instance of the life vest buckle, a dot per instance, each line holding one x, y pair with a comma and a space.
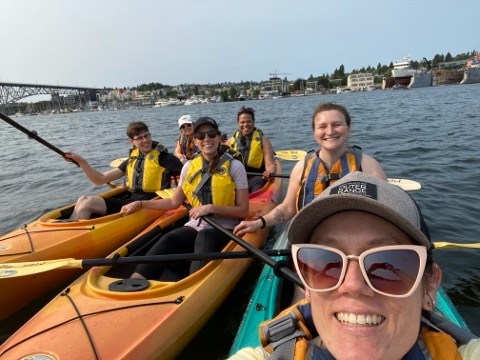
283, 329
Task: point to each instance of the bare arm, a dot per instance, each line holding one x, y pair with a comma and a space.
372, 167
240, 210
268, 155
178, 153
175, 201
95, 176
284, 211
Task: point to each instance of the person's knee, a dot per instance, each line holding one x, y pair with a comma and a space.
87, 205
84, 200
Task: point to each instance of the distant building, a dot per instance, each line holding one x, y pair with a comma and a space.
359, 82
452, 64
275, 85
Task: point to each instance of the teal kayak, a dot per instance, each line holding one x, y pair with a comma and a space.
263, 303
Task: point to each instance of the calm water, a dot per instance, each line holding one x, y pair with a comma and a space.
430, 135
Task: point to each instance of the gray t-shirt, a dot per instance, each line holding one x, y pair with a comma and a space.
239, 176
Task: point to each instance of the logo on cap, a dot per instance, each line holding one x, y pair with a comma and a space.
359, 188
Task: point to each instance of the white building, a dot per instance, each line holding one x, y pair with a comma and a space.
359, 82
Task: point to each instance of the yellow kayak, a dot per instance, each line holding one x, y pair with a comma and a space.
92, 319
49, 237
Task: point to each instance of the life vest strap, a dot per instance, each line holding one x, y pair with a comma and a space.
282, 330
328, 177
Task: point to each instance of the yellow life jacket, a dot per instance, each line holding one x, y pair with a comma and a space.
150, 176
202, 187
316, 175
288, 336
251, 148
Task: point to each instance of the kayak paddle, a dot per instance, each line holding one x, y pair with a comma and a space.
8, 270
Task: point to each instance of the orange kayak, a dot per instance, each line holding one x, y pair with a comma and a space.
49, 238
89, 320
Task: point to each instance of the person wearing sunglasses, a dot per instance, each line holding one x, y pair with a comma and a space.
255, 148
363, 253
311, 175
185, 147
215, 184
148, 168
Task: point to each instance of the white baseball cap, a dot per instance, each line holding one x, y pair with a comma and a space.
184, 119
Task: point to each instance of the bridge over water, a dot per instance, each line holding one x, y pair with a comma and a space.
13, 92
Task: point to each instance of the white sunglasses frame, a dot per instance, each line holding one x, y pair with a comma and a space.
420, 250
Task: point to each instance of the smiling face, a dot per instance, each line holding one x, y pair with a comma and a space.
339, 315
331, 130
142, 141
245, 124
187, 129
208, 146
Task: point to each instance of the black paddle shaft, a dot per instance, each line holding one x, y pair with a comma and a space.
33, 135
155, 259
273, 175
279, 267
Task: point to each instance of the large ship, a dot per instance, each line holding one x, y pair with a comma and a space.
408, 77
402, 71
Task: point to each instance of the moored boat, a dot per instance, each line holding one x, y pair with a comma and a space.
90, 320
407, 77
271, 295
402, 71
53, 236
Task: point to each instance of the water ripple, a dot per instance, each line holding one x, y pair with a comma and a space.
429, 135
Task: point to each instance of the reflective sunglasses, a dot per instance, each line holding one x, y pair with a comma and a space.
389, 270
185, 125
140, 138
212, 134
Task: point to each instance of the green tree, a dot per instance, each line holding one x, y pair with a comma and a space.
224, 95
233, 93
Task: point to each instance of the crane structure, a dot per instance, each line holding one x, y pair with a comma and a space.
274, 75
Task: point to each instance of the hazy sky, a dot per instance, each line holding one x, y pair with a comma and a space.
117, 43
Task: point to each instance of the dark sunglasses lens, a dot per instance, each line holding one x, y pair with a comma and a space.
211, 134
393, 271
321, 269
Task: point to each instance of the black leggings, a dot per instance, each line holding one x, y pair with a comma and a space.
183, 240
256, 183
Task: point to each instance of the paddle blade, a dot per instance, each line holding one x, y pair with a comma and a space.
165, 193
36, 267
445, 244
405, 184
115, 163
290, 154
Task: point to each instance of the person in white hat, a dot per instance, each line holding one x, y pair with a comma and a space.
185, 145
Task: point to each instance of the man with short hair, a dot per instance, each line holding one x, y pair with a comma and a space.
148, 169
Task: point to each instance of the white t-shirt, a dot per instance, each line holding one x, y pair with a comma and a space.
239, 176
